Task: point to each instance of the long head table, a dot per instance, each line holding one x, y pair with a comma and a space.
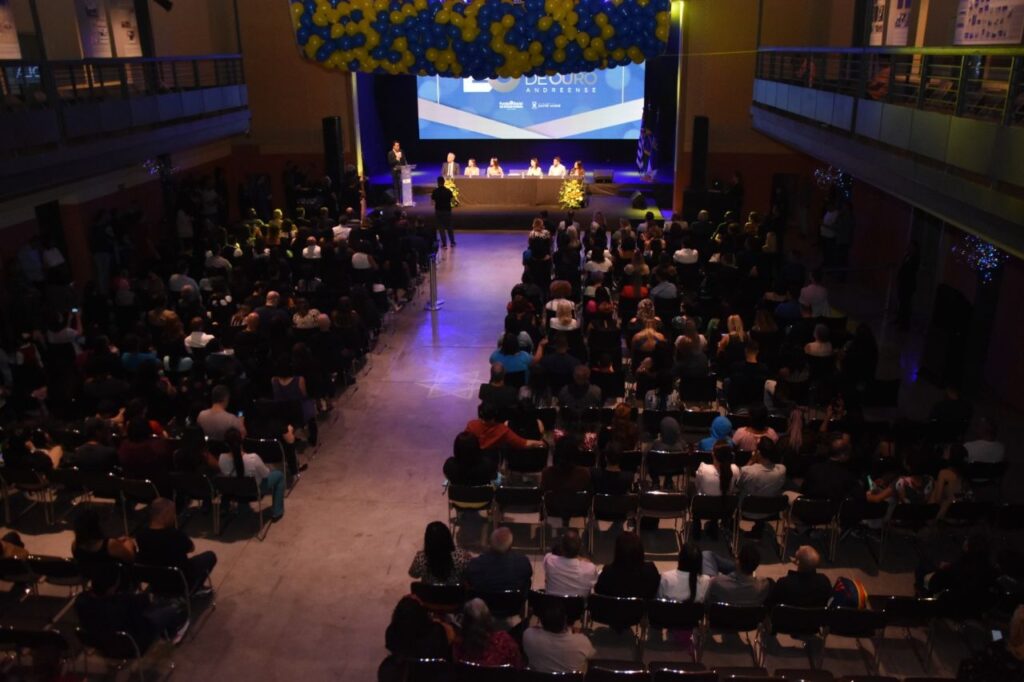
509, 191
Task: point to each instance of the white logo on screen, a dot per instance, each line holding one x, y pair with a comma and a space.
473, 85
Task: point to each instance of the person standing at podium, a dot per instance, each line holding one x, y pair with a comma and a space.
397, 160
450, 169
442, 198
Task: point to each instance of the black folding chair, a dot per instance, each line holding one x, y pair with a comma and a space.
440, 598
466, 671
612, 508
658, 504
812, 514
503, 604
857, 624
243, 490
566, 506
575, 607
536, 676
190, 487
907, 613
271, 451
428, 670
616, 671
804, 675
520, 500
30, 483
767, 509
711, 508
118, 647
702, 391
619, 613
469, 499
853, 513
42, 642
796, 621
727, 618
666, 614
526, 461
679, 671
671, 465
909, 518
133, 493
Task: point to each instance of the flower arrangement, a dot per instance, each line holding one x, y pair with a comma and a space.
572, 194
454, 189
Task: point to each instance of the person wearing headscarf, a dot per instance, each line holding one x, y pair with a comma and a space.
721, 429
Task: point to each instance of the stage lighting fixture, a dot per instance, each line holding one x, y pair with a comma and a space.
166, 4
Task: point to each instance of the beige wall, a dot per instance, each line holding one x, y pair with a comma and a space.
60, 29
199, 26
288, 96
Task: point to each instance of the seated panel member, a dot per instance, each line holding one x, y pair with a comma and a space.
534, 171
494, 170
472, 170
557, 170
577, 170
450, 169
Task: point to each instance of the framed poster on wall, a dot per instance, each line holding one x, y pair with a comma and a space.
93, 29
9, 47
901, 13
989, 22
875, 37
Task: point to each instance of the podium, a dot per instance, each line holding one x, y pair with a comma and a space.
406, 198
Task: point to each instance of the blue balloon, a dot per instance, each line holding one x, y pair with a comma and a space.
356, 15
303, 35
306, 21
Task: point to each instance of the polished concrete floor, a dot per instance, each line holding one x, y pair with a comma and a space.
312, 601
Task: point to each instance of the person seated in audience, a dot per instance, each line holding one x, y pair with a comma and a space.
161, 543
564, 475
690, 361
511, 356
99, 557
271, 482
715, 479
969, 579
524, 421
142, 454
762, 476
193, 455
482, 642
664, 396
468, 465
497, 393
558, 292
664, 288
741, 588
566, 572
413, 634
815, 296
803, 587
491, 433
629, 575
27, 449
821, 346
721, 429
832, 478
747, 437
1001, 660
500, 568
198, 339
985, 448
611, 479
745, 385
951, 482
563, 321
216, 421
686, 254
622, 431
555, 360
952, 408
580, 394
731, 346
552, 647
439, 562
686, 582
95, 455
110, 607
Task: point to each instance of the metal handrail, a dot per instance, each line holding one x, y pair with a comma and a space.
1012, 51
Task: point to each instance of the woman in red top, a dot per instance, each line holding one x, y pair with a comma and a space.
482, 642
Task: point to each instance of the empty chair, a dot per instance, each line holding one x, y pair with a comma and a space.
668, 464
857, 624
909, 612
811, 513
530, 461
470, 499
726, 618
535, 676
428, 670
57, 570
710, 508
618, 613
566, 506
244, 490
32, 484
666, 614
575, 607
658, 504
134, 493
852, 514
188, 487
679, 671
612, 508
796, 621
767, 509
616, 671
520, 500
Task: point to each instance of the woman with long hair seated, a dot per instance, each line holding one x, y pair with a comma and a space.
629, 575
482, 642
234, 462
439, 561
494, 170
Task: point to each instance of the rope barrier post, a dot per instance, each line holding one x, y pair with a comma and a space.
434, 304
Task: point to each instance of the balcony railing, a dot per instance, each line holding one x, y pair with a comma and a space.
984, 84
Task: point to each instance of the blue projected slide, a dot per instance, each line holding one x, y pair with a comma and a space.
599, 105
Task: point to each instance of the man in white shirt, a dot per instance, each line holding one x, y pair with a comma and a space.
557, 170
565, 573
312, 250
815, 296
553, 648
986, 449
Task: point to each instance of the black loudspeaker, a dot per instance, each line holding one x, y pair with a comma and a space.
699, 156
603, 175
638, 200
333, 149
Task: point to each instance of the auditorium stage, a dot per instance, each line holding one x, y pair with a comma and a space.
614, 199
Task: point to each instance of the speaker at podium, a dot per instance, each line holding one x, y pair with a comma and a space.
407, 185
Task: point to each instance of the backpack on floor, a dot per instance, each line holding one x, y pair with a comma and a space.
849, 593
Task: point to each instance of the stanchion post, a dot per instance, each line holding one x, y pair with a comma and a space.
434, 304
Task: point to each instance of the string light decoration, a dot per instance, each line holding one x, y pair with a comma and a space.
980, 256
834, 178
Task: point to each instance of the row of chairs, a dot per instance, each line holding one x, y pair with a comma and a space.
85, 487
440, 670
642, 617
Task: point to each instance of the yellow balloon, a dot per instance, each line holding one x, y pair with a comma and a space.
497, 29
351, 28
597, 44
396, 17
551, 5
421, 5
380, 5
558, 56
536, 47
583, 39
400, 44
607, 31
408, 10
600, 18
443, 16
536, 60
569, 32
544, 23
457, 19
319, 18
337, 30
618, 54
590, 54
661, 33
572, 18
508, 21
561, 42
431, 54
